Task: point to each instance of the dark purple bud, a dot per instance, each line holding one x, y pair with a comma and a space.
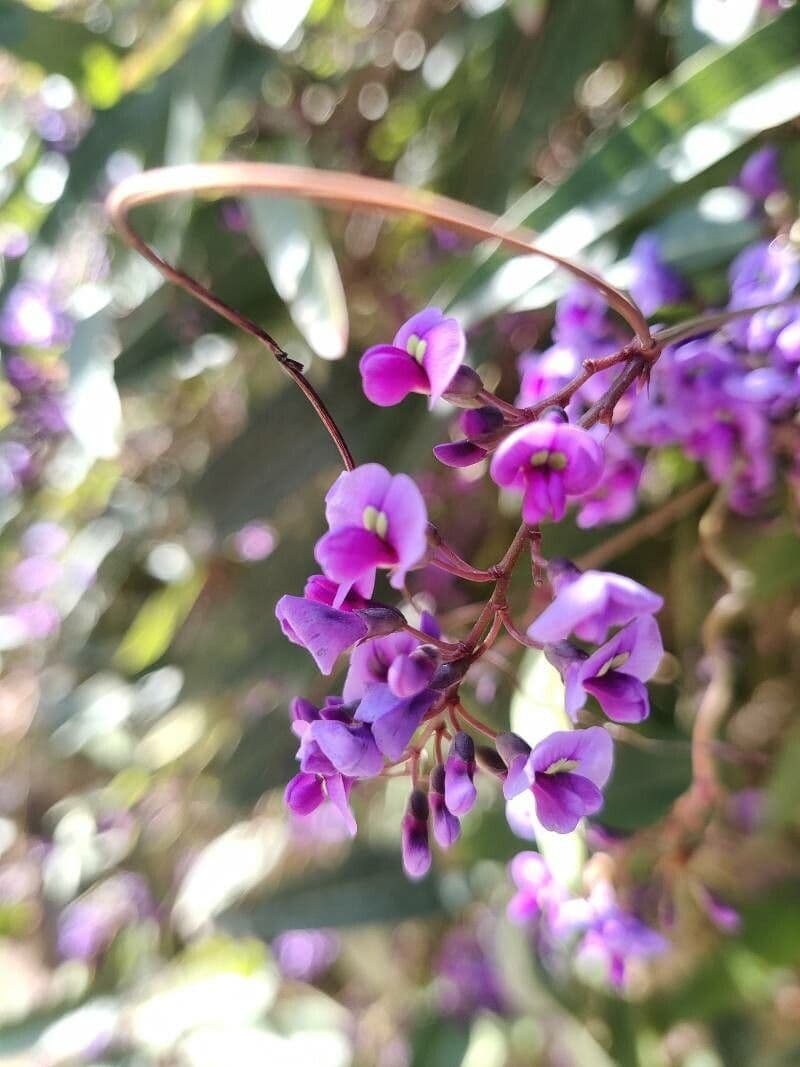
446, 826
554, 414
490, 761
416, 850
459, 453
511, 747
380, 619
459, 770
480, 421
410, 674
448, 674
304, 793
463, 387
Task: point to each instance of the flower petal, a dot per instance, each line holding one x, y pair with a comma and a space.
389, 374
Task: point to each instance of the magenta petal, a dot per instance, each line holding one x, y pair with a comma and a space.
585, 460
417, 326
459, 453
444, 353
351, 553
407, 517
323, 630
389, 374
353, 491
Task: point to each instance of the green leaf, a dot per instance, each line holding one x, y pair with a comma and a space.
291, 237
151, 632
712, 105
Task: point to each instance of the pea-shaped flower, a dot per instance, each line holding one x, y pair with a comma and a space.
376, 521
423, 358
547, 462
565, 773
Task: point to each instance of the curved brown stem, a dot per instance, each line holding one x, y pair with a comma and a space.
348, 190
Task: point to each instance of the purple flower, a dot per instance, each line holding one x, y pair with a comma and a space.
29, 317
763, 272
615, 497
254, 542
412, 672
324, 631
446, 826
589, 604
470, 981
547, 461
414, 836
376, 521
616, 672
305, 954
423, 358
350, 748
394, 719
459, 770
611, 936
26, 377
538, 893
372, 662
545, 372
565, 773
654, 284
760, 176
89, 924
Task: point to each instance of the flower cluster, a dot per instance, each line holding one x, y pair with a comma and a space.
723, 390
401, 694
596, 930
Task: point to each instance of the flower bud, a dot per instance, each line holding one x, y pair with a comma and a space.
511, 747
489, 760
304, 793
410, 674
448, 674
464, 387
446, 827
459, 453
380, 619
479, 421
459, 789
414, 836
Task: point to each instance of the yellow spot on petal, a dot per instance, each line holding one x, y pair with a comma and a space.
562, 766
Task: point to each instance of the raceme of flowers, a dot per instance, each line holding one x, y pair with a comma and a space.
722, 395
